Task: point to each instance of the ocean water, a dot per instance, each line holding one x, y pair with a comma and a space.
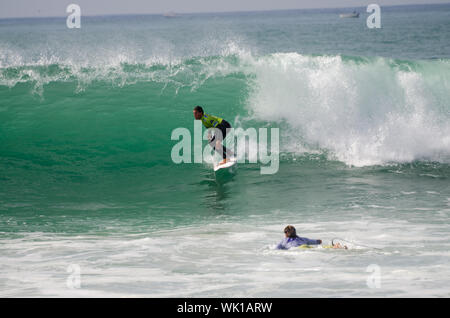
89, 192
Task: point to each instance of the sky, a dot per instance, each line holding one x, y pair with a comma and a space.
50, 8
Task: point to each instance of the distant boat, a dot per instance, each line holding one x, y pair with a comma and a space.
170, 14
354, 14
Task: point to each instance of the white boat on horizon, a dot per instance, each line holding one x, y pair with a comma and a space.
354, 14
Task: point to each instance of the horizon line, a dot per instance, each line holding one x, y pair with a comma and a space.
220, 12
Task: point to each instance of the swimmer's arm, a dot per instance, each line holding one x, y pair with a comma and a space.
312, 242
280, 246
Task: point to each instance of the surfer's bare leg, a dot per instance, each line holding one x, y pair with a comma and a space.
217, 145
222, 151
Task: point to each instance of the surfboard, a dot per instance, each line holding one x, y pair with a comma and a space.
304, 246
228, 166
310, 246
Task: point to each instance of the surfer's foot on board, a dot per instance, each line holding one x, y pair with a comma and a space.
224, 161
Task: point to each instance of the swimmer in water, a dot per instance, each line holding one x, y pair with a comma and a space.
293, 240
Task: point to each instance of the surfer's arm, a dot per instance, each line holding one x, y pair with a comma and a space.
281, 245
310, 242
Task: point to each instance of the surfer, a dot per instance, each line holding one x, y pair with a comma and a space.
292, 240
210, 121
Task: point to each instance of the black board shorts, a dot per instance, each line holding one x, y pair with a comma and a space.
223, 128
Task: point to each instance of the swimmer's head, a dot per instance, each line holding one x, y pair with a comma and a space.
289, 231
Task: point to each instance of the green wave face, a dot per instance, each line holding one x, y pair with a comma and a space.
361, 111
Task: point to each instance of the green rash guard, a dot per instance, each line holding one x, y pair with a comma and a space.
210, 121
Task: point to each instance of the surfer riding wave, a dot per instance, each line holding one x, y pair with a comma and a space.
213, 122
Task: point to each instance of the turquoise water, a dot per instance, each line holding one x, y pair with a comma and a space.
86, 176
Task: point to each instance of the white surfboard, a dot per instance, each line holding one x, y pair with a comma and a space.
230, 164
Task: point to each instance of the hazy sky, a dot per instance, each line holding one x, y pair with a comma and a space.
46, 8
